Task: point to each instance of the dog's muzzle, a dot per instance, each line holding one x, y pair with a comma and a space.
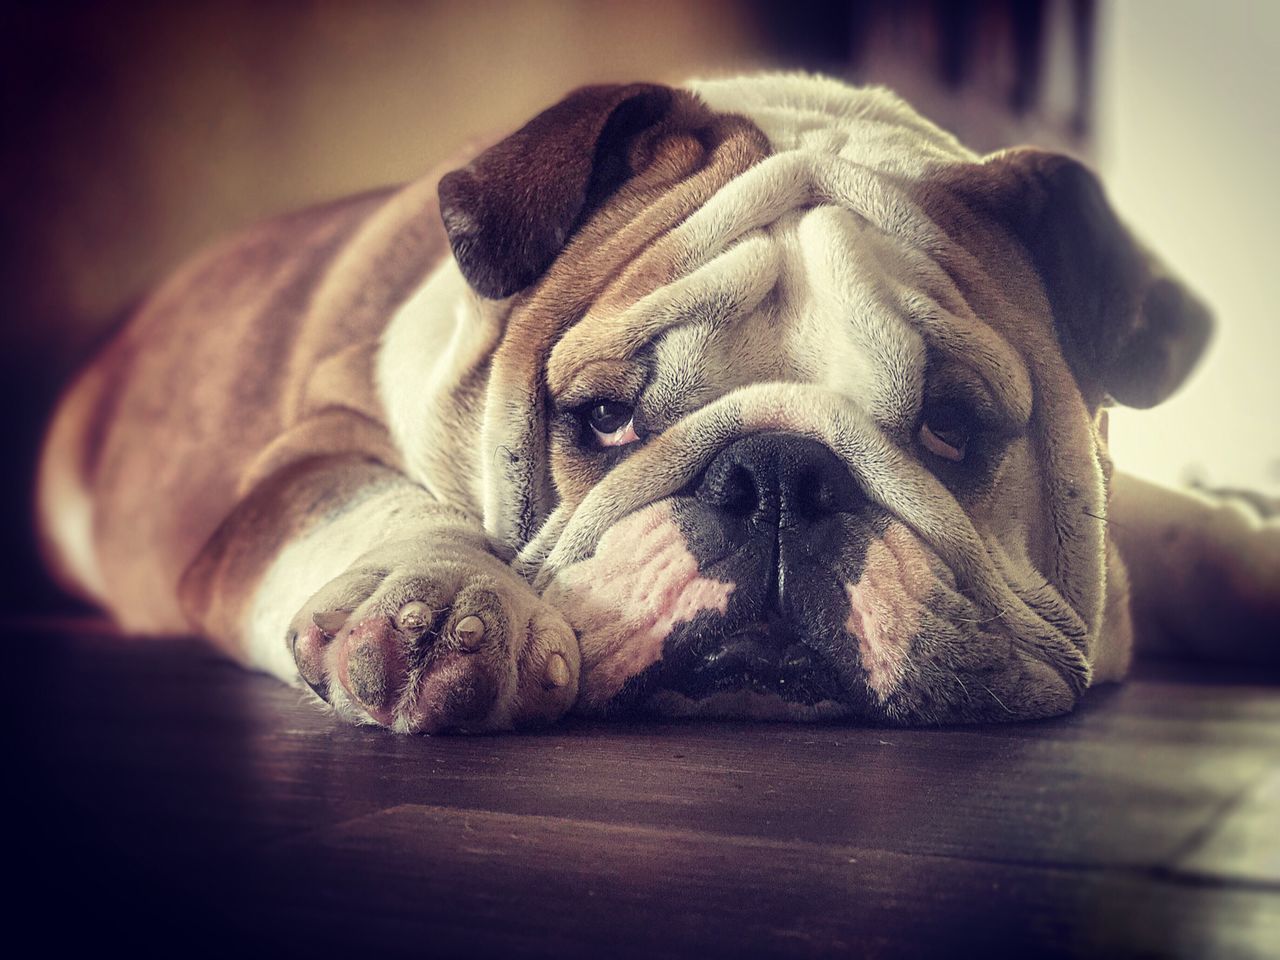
781, 491
775, 507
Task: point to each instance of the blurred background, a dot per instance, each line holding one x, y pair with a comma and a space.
136, 132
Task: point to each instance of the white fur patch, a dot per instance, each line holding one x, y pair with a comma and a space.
68, 521
433, 344
64, 503
885, 606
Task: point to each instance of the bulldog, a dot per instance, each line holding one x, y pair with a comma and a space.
761, 397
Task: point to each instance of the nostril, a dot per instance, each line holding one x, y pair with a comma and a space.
820, 489
793, 479
732, 490
740, 495
812, 497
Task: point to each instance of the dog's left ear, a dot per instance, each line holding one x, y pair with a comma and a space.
513, 208
1128, 329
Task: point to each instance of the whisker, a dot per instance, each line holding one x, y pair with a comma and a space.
1107, 520
994, 697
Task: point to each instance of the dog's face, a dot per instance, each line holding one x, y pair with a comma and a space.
793, 406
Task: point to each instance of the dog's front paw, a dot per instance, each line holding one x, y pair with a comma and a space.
423, 641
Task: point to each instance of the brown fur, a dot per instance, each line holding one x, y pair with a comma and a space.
240, 399
1087, 302
251, 359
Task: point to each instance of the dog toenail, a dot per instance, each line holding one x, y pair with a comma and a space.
308, 655
331, 621
414, 615
556, 672
470, 632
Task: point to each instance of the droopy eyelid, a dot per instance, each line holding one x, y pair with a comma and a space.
619, 380
951, 382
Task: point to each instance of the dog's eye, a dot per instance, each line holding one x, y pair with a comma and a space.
946, 429
613, 423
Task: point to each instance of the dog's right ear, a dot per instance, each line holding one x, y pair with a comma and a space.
1129, 330
512, 210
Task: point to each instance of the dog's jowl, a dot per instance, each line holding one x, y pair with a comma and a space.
763, 397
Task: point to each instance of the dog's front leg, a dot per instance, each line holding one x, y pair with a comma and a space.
346, 576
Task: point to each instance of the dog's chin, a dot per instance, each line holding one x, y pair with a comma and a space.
759, 673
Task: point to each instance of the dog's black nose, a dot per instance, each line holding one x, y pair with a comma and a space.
778, 478
783, 496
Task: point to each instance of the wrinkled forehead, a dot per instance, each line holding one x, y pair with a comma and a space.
816, 264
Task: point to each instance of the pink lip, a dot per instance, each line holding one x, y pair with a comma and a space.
626, 599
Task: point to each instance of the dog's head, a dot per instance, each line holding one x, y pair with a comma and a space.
794, 406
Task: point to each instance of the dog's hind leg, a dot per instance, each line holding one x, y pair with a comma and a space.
1204, 569
64, 504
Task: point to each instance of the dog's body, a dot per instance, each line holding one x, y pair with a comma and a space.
772, 400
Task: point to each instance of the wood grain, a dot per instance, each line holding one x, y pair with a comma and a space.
173, 797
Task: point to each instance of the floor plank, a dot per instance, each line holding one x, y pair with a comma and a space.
505, 883
218, 800
1244, 843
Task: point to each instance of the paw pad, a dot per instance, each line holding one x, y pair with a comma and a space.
423, 651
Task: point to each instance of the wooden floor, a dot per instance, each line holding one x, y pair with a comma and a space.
172, 803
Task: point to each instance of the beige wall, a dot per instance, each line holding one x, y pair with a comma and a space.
1189, 103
